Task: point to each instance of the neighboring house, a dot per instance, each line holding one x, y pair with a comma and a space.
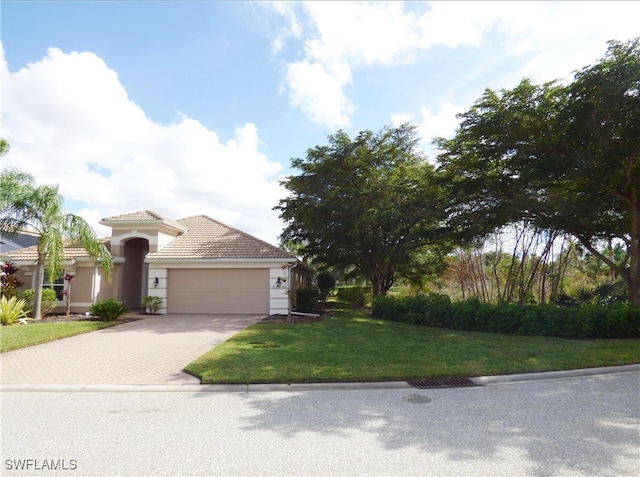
12, 242
196, 264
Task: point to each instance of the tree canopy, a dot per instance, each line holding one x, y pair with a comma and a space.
564, 157
371, 202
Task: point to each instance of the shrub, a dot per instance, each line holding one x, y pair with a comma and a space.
355, 296
108, 309
11, 310
306, 300
326, 282
49, 300
619, 320
9, 283
152, 303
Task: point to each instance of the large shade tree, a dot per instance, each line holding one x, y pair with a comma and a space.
41, 208
370, 203
564, 157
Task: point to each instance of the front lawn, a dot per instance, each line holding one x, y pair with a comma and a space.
20, 336
350, 346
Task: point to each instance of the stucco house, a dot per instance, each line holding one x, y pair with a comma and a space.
196, 265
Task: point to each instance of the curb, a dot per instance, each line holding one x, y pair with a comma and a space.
549, 375
300, 387
196, 388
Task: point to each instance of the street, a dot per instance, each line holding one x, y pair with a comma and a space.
571, 427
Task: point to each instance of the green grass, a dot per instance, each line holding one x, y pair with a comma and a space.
350, 346
20, 336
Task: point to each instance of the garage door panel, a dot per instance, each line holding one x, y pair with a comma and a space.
231, 291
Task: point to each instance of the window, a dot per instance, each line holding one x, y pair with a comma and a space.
57, 285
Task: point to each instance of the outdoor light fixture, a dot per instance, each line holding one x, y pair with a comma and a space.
156, 281
278, 283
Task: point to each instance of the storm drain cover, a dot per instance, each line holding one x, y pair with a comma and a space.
417, 399
442, 383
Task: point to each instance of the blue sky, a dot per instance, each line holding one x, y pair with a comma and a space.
198, 107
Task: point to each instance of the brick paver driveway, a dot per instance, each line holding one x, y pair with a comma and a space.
153, 350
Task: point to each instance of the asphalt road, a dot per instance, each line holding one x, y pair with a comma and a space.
565, 427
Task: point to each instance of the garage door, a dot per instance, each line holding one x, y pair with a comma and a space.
244, 291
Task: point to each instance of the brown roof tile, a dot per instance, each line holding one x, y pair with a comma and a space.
141, 216
31, 253
204, 238
207, 238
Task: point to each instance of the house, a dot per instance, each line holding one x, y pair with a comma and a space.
11, 242
196, 265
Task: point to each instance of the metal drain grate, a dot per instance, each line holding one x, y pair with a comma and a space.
442, 383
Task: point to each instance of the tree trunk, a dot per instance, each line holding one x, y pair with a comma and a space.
39, 284
634, 250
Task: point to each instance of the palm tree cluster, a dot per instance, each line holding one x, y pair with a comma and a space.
25, 205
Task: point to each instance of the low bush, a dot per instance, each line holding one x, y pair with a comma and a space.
49, 300
11, 310
614, 321
355, 296
152, 303
306, 300
108, 309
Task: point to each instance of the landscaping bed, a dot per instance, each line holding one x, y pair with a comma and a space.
58, 317
293, 319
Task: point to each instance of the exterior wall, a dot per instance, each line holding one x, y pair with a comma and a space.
25, 276
156, 238
279, 292
159, 287
87, 287
109, 289
82, 288
300, 278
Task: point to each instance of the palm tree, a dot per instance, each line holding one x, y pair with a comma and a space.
4, 147
23, 205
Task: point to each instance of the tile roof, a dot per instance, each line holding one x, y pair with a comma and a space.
204, 238
10, 242
31, 253
141, 216
207, 238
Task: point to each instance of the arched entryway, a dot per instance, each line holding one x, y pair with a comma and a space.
135, 271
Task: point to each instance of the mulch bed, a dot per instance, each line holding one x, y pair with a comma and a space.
280, 319
55, 317
293, 319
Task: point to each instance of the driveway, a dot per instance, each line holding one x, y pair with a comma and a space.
152, 350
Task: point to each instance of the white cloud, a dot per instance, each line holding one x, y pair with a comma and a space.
339, 37
551, 39
69, 121
443, 123
292, 27
318, 91
432, 125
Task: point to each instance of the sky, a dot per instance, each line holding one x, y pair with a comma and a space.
188, 108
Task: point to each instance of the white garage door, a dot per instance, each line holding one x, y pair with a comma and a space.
194, 290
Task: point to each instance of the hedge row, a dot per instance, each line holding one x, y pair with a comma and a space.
356, 296
615, 321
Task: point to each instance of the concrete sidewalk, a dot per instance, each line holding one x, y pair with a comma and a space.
153, 350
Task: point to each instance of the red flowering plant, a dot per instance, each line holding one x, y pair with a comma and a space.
67, 293
9, 283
